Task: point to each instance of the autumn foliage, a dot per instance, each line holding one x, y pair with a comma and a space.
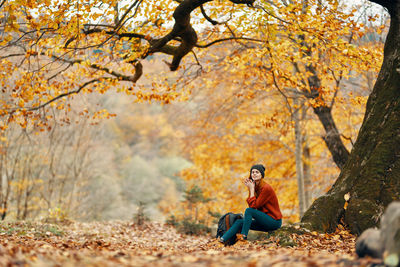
274, 83
153, 110
124, 244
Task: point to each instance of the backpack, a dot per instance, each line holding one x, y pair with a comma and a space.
226, 222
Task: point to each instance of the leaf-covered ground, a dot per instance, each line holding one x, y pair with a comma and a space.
124, 244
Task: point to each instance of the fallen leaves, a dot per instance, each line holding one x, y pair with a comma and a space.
124, 244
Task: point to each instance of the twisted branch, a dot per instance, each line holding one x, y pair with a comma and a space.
183, 29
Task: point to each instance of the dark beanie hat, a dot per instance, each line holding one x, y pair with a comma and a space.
260, 168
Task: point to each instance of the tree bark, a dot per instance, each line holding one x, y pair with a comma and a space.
371, 176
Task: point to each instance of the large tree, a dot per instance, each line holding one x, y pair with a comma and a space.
370, 179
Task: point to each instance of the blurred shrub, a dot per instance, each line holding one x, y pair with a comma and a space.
57, 215
188, 226
140, 216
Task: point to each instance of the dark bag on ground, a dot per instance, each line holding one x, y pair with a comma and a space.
226, 222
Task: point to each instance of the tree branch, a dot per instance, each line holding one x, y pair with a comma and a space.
272, 15
2, 3
275, 81
183, 29
113, 32
247, 2
65, 94
116, 27
13, 55
120, 76
120, 22
389, 4
213, 22
228, 39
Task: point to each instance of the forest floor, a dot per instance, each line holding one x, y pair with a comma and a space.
124, 244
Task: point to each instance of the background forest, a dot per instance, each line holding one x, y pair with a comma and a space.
182, 142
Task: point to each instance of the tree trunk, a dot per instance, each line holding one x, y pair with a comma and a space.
299, 157
307, 174
332, 139
3, 212
371, 176
306, 164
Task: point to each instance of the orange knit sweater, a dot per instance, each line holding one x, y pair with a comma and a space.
265, 201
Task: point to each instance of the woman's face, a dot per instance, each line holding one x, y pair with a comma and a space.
256, 175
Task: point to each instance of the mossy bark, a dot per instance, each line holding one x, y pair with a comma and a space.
371, 175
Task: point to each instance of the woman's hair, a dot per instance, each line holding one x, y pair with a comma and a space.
258, 188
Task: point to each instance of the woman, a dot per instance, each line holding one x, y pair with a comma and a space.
263, 213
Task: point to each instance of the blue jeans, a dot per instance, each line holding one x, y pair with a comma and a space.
254, 220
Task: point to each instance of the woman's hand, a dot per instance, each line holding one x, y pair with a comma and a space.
249, 183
